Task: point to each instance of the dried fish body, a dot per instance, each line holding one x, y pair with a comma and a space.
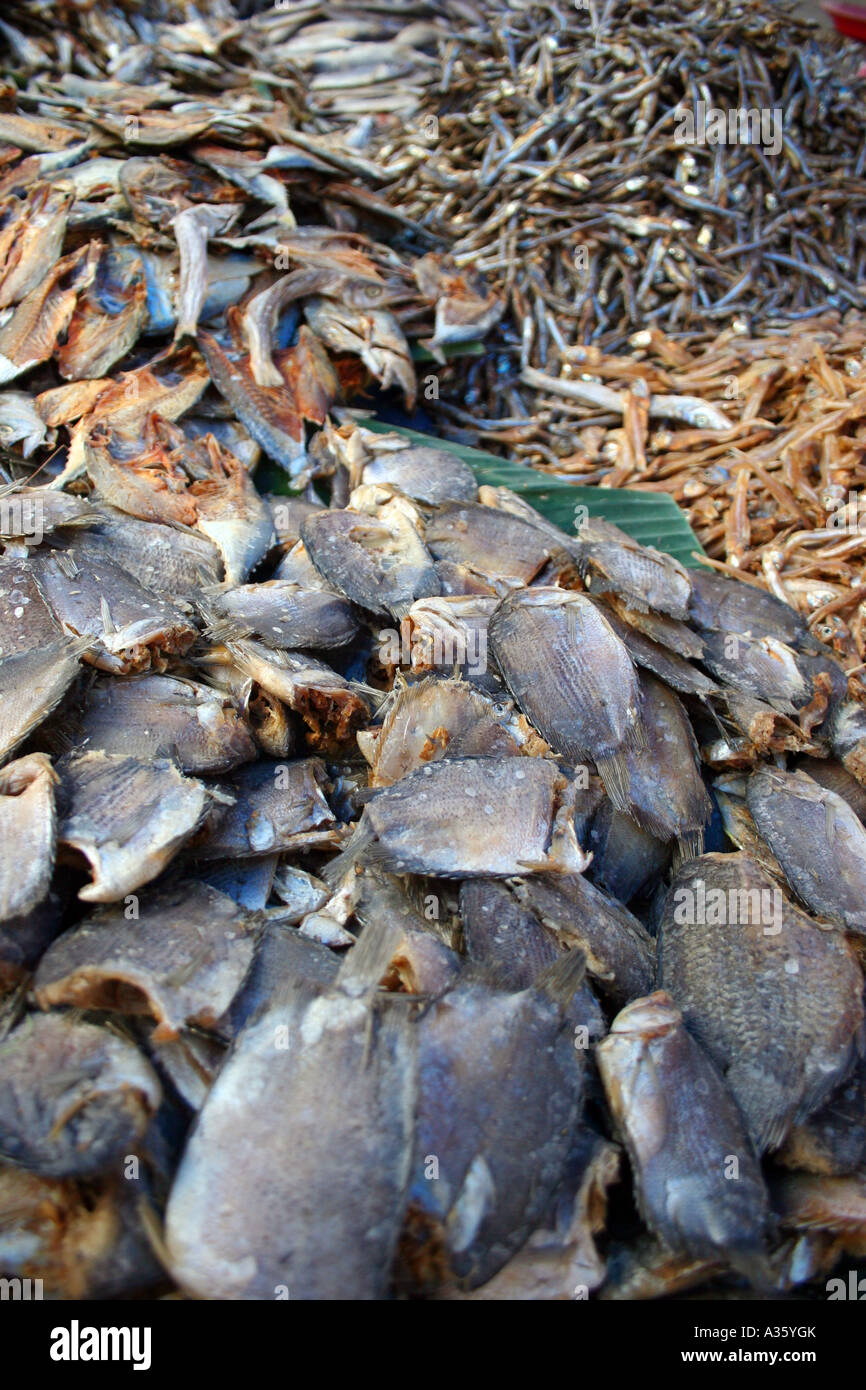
817, 838
175, 563
21, 423
230, 512
834, 776
643, 577
127, 817
347, 1159
774, 998
585, 699
763, 668
108, 317
32, 684
180, 956
449, 634
277, 807
31, 240
665, 792
718, 604
516, 815
126, 623
31, 513
503, 548
435, 719
374, 335
30, 336
27, 834
74, 1098
248, 882
288, 515
495, 1166
329, 706
23, 940
652, 656
166, 717
511, 944
560, 1258
284, 614
284, 960
427, 474
421, 961
698, 1182
619, 952
268, 413
379, 562
83, 1240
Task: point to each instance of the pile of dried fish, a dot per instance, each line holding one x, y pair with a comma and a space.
319, 834
165, 256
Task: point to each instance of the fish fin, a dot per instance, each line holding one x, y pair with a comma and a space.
562, 977
368, 960
359, 846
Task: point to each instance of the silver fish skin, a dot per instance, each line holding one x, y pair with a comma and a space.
174, 562
74, 1098
817, 838
774, 998
276, 808
685, 1138
510, 943
493, 543
433, 719
125, 622
719, 604
665, 791
32, 684
285, 615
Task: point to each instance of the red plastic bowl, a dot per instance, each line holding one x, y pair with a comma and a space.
850, 20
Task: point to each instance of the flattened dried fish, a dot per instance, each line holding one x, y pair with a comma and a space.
337, 1077
277, 807
698, 1182
74, 1098
516, 815
435, 719
126, 623
818, 840
284, 614
379, 562
166, 717
182, 959
127, 817
585, 699
495, 1166
774, 999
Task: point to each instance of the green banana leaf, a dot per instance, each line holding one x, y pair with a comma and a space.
652, 518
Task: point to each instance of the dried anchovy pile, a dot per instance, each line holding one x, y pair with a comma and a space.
558, 131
